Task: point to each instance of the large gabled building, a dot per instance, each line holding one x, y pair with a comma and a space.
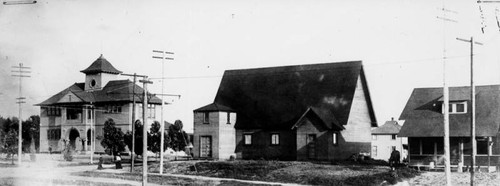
67, 117
303, 112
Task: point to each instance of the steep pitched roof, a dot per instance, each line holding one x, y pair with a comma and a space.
423, 116
213, 107
326, 118
389, 127
276, 97
101, 65
114, 91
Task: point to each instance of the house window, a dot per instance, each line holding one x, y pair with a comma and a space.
335, 138
89, 114
228, 118
393, 137
275, 139
54, 134
456, 107
206, 117
51, 111
247, 139
151, 111
374, 151
72, 114
113, 109
374, 137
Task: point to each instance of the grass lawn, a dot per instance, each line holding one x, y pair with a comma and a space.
341, 173
8, 181
162, 180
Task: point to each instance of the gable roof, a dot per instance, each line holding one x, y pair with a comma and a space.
101, 65
213, 107
114, 91
389, 127
423, 116
326, 117
276, 97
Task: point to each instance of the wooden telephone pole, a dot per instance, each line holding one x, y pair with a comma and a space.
162, 122
132, 158
20, 71
473, 110
145, 83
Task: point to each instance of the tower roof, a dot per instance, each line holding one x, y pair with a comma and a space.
101, 65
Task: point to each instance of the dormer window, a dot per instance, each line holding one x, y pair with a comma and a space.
456, 107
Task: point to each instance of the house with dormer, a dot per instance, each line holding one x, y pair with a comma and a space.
302, 112
424, 128
70, 117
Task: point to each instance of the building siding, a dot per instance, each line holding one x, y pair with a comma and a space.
356, 138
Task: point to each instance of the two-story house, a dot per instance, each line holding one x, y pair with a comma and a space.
302, 112
385, 139
68, 116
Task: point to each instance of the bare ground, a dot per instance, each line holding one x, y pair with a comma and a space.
457, 179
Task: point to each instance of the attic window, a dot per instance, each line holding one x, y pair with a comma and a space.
206, 117
456, 107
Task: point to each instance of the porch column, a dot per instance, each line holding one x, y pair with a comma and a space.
84, 144
461, 155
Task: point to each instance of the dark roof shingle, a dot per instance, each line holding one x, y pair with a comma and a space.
276, 97
101, 65
389, 127
114, 91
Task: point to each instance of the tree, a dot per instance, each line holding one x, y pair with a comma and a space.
31, 133
10, 146
178, 136
138, 138
154, 137
113, 138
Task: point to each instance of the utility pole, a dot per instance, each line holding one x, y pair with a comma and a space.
132, 159
145, 82
20, 71
446, 101
473, 110
162, 122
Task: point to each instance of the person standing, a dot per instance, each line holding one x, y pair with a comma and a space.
118, 161
394, 159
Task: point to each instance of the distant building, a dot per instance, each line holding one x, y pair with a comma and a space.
66, 117
423, 115
385, 139
303, 112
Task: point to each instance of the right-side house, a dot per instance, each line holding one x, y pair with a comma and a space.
302, 112
423, 115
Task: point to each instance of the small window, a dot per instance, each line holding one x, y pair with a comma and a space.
275, 139
374, 151
228, 118
456, 107
335, 138
151, 111
374, 137
206, 117
393, 137
247, 139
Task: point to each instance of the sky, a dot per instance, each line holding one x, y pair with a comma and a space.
401, 44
